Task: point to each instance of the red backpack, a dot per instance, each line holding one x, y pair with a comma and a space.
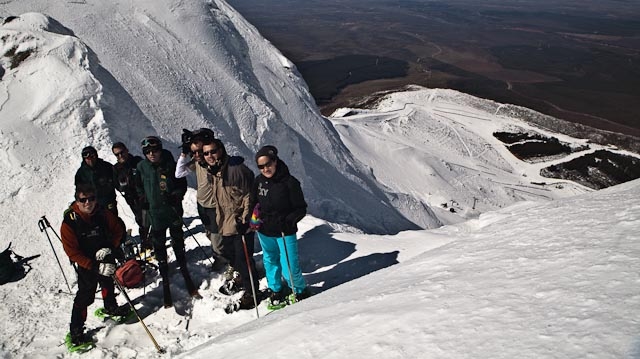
130, 274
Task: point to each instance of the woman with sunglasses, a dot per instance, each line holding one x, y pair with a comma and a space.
281, 206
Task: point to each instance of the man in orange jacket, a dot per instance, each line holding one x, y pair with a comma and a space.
91, 238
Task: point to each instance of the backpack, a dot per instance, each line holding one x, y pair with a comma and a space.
130, 274
9, 269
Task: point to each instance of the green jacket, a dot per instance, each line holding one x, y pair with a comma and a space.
158, 186
99, 176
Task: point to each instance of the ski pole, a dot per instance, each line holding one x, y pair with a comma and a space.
46, 221
253, 287
121, 287
43, 228
286, 256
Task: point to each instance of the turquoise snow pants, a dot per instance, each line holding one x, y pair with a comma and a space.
275, 262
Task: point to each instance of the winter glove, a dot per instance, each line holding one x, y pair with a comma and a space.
118, 253
214, 169
186, 136
106, 269
255, 222
185, 148
102, 254
241, 227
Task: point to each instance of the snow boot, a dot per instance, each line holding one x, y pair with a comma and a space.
77, 341
121, 311
306, 293
277, 300
163, 267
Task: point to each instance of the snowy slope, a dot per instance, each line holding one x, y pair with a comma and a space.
108, 71
526, 281
438, 145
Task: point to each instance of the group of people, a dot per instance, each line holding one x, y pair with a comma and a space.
233, 206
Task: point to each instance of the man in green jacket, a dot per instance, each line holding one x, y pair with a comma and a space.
162, 193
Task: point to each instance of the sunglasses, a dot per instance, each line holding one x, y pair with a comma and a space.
121, 153
211, 153
268, 164
197, 152
86, 199
147, 151
89, 154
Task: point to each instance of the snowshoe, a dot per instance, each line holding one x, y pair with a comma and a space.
80, 344
277, 300
119, 314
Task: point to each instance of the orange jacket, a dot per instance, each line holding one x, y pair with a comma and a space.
70, 238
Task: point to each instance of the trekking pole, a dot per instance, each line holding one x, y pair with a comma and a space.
42, 224
46, 221
144, 258
286, 256
192, 235
253, 287
121, 287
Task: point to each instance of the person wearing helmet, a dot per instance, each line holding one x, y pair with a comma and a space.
161, 193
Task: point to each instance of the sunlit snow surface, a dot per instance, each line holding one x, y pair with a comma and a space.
522, 269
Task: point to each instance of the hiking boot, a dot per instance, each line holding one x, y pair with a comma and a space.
277, 299
306, 293
195, 294
246, 301
79, 337
168, 301
121, 311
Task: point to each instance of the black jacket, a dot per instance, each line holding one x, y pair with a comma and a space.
99, 176
282, 203
125, 177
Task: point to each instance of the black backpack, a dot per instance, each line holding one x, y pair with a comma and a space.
9, 269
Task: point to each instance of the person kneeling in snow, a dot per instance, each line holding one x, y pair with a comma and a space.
91, 238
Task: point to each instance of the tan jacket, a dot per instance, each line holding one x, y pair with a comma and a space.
205, 193
232, 202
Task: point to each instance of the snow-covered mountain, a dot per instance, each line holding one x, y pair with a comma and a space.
91, 73
162, 66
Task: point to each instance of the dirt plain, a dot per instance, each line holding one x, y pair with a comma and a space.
574, 60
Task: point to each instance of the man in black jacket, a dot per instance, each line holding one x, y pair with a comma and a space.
98, 173
125, 177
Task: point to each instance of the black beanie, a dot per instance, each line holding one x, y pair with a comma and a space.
269, 151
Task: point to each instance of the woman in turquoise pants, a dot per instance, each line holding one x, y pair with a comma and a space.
278, 197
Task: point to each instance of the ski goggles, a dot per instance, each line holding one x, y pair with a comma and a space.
150, 142
88, 154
